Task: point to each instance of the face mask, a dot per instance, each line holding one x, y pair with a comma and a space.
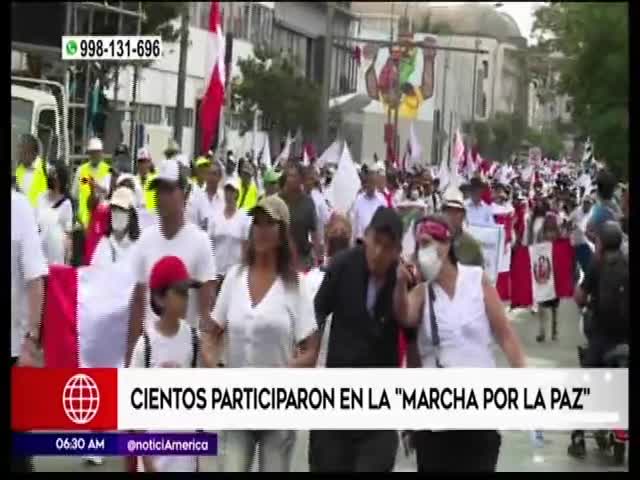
414, 195
430, 263
119, 221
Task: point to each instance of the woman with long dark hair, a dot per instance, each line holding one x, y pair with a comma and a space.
457, 311
55, 215
123, 230
266, 311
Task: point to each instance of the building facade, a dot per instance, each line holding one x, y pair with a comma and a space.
499, 71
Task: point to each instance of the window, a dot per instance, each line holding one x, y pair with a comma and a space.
294, 44
150, 114
485, 68
170, 114
261, 24
567, 107
484, 105
47, 134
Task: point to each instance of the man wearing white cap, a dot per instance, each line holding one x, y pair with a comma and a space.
173, 236
466, 248
92, 181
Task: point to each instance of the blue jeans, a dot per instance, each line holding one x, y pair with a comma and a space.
583, 256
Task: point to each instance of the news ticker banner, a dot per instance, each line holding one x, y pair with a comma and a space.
105, 444
328, 399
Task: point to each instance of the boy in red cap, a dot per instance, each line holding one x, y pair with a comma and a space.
169, 342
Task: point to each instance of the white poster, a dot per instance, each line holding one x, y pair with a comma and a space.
544, 288
491, 239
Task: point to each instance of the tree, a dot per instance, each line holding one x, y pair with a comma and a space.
549, 140
273, 83
593, 39
434, 28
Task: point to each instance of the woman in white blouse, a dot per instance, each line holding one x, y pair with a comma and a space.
123, 230
458, 313
267, 313
55, 216
229, 230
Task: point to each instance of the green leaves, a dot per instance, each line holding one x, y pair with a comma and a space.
594, 39
273, 83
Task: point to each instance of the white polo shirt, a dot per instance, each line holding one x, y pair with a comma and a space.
190, 244
227, 235
263, 335
363, 209
27, 263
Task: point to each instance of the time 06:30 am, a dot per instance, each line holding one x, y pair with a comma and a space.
120, 48
72, 444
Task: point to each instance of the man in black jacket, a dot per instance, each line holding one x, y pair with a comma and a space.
358, 290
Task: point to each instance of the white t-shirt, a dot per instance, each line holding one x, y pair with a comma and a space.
264, 335
27, 263
109, 250
579, 220
201, 209
53, 224
227, 235
64, 211
323, 212
190, 244
480, 215
167, 352
363, 210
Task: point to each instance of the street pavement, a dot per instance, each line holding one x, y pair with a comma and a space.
517, 453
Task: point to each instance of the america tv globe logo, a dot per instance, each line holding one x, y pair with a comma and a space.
81, 399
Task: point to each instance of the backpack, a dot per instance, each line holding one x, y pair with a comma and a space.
194, 344
613, 295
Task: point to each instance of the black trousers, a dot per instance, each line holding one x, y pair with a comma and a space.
457, 450
20, 464
352, 451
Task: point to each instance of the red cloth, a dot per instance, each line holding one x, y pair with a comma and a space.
402, 348
563, 261
98, 226
519, 221
503, 285
487, 195
522, 295
563, 255
388, 197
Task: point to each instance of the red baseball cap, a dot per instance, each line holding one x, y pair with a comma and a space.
170, 272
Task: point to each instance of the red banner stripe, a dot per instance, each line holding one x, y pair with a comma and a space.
52, 398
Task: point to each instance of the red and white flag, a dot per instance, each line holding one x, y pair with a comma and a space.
542, 272
214, 94
86, 315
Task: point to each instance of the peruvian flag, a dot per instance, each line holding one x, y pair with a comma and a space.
214, 97
503, 215
542, 272
86, 315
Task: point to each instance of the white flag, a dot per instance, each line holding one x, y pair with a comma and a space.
416, 149
345, 185
266, 152
541, 255
305, 158
284, 155
331, 155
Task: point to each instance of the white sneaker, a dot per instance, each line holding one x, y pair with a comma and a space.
93, 459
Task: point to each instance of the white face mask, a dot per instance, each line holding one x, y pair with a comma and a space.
430, 263
119, 220
414, 195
